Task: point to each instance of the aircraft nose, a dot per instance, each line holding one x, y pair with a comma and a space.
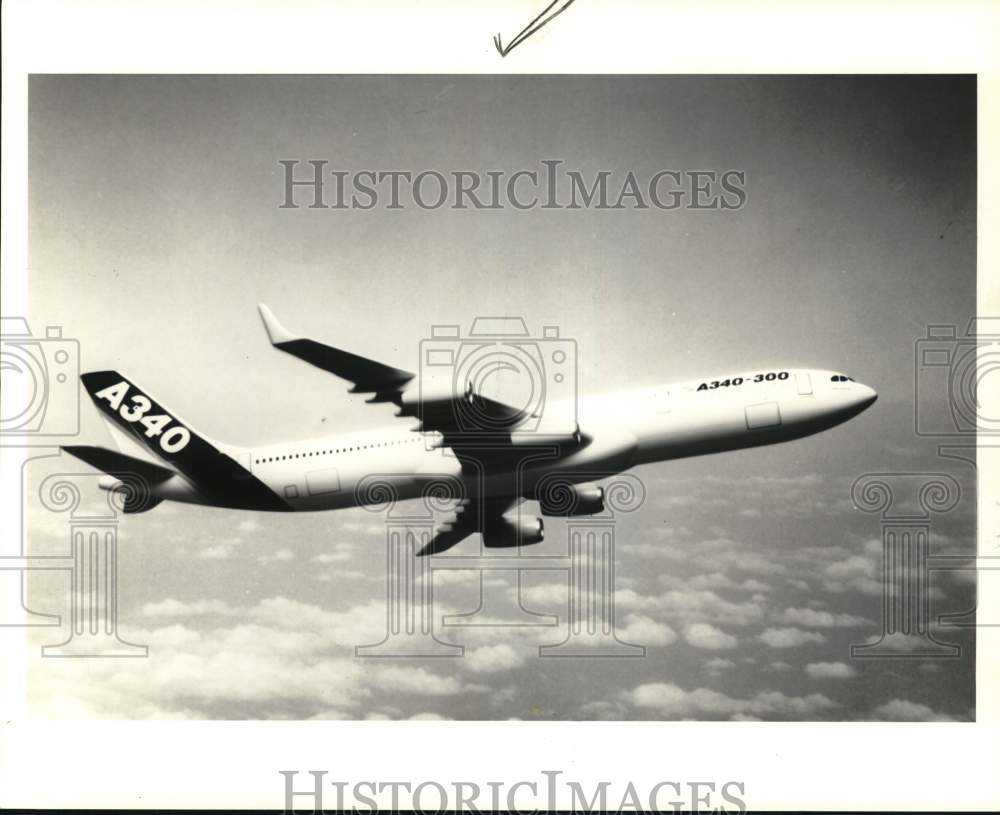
866, 396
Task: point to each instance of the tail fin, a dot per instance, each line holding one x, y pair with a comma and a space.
142, 422
138, 423
134, 478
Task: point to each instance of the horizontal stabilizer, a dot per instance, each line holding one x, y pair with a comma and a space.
118, 464
133, 478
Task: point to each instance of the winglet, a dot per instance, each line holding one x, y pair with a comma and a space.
276, 332
367, 375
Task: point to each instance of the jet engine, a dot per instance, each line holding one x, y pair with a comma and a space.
560, 499
513, 532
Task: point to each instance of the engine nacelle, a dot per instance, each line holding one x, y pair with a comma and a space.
514, 532
560, 499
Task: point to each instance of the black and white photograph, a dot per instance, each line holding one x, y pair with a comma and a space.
381, 402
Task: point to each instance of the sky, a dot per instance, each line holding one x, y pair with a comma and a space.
155, 229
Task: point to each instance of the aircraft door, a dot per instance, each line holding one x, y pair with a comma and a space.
323, 482
762, 415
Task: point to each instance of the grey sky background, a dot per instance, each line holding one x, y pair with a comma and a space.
155, 230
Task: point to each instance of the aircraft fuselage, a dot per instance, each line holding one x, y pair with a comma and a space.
621, 430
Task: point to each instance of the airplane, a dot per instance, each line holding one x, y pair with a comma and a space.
490, 453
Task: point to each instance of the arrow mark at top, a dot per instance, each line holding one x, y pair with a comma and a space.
544, 18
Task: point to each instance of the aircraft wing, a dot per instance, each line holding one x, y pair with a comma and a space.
471, 516
465, 421
366, 375
481, 432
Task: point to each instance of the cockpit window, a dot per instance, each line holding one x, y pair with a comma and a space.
841, 378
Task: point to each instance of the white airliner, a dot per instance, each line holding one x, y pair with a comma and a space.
491, 453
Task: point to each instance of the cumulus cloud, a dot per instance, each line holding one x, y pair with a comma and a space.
218, 552
363, 528
279, 659
419, 681
693, 605
341, 575
175, 608
282, 555
903, 710
332, 557
459, 577
603, 710
903, 643
727, 555
642, 630
545, 595
672, 701
703, 635
830, 670
718, 665
811, 618
789, 637
709, 606
490, 659
718, 554
855, 572
717, 598
359, 624
711, 580
800, 496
